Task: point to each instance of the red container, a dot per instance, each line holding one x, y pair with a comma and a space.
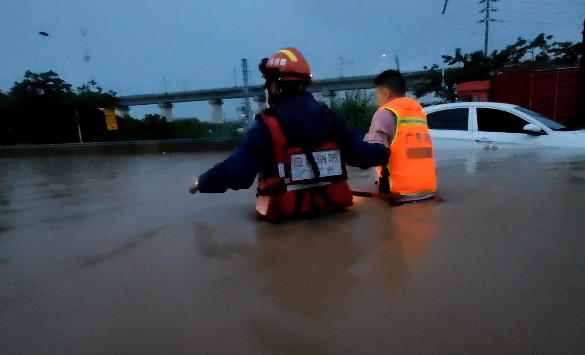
550, 92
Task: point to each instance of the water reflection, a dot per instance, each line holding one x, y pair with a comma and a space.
64, 178
5, 190
407, 233
303, 262
307, 265
286, 342
312, 270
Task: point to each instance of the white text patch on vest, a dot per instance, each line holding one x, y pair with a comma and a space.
328, 162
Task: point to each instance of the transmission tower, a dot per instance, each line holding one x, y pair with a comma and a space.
487, 19
245, 108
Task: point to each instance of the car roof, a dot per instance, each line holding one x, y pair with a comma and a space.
469, 104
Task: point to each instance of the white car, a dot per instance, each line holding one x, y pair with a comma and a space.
480, 124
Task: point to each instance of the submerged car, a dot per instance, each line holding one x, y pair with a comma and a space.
478, 124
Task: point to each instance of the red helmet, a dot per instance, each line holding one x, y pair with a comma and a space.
287, 64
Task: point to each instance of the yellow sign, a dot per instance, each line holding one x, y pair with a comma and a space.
111, 121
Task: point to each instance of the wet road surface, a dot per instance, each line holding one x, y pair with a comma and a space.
111, 255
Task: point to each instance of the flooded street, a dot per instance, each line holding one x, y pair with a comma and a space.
111, 255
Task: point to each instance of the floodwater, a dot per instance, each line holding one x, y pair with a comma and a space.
111, 255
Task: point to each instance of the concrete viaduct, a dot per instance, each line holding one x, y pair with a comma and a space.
215, 97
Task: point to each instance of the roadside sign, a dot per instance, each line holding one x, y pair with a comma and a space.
111, 121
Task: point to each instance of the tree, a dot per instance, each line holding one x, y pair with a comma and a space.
158, 127
430, 82
43, 109
477, 66
458, 58
5, 119
565, 52
540, 43
89, 99
511, 55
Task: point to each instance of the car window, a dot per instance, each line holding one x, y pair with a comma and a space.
453, 119
492, 120
540, 118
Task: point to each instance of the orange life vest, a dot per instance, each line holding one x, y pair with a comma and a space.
302, 182
411, 169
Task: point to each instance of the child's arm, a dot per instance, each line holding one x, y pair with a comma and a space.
383, 128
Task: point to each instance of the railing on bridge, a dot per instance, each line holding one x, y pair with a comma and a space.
215, 96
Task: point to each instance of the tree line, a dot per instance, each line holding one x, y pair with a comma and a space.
44, 109
461, 67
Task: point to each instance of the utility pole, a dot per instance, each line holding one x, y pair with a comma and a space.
397, 60
487, 19
487, 26
78, 126
165, 80
246, 105
341, 64
443, 90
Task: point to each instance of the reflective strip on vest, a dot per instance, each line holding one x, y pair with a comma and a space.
414, 121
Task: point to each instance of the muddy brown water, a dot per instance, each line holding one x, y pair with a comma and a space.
111, 255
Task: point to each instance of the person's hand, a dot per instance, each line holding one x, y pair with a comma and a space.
193, 185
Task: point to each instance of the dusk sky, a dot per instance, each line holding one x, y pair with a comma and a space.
195, 44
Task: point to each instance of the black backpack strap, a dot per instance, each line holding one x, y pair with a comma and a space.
299, 199
278, 189
311, 159
323, 194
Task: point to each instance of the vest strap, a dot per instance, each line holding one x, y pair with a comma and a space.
299, 199
328, 201
278, 189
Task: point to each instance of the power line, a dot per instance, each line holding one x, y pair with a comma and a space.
539, 3
415, 44
399, 34
545, 23
400, 41
543, 12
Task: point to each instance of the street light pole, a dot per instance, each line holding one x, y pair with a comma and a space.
78, 126
86, 56
45, 34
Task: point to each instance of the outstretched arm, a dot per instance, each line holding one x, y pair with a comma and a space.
239, 170
355, 151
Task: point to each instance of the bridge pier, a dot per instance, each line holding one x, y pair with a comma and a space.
123, 111
216, 110
166, 109
329, 95
260, 102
